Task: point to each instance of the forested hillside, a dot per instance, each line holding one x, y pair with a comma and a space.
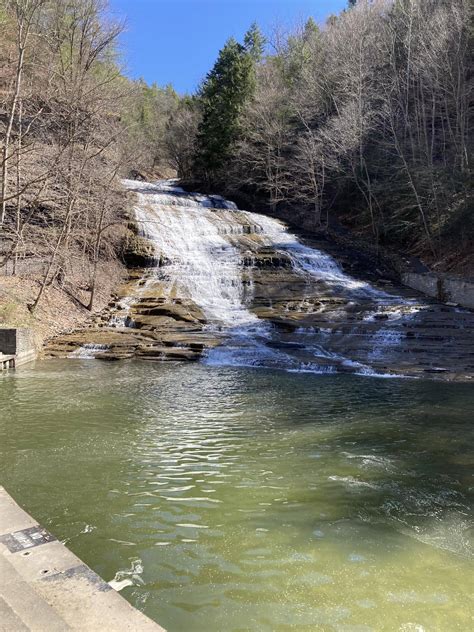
358, 127
362, 123
71, 124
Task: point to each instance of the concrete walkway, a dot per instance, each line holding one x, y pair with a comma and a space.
46, 588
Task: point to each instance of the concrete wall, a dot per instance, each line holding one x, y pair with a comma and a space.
445, 288
44, 586
20, 343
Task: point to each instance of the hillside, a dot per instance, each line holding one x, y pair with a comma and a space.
361, 125
71, 125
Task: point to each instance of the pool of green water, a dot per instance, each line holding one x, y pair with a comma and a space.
228, 499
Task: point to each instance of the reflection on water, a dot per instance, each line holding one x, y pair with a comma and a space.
233, 499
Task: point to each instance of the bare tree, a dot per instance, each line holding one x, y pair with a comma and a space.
369, 116
25, 12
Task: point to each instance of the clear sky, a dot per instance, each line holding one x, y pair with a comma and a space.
177, 41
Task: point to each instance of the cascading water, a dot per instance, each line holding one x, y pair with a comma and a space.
200, 262
121, 318
88, 351
309, 260
203, 243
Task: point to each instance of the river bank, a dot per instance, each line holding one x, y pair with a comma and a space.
62, 309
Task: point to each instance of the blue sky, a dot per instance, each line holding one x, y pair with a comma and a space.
177, 41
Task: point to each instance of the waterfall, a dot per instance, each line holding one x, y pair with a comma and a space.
88, 351
120, 317
205, 244
202, 264
309, 260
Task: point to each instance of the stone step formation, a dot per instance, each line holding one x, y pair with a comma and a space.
237, 288
151, 327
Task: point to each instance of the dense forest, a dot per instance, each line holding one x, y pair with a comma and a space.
362, 123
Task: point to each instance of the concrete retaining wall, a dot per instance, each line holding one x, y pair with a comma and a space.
445, 288
19, 343
44, 587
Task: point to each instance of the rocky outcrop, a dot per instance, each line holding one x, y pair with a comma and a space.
433, 340
140, 322
139, 252
416, 338
241, 289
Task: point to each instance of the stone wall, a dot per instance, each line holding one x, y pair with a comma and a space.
20, 343
445, 288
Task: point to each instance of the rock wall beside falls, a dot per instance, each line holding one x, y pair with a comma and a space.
230, 287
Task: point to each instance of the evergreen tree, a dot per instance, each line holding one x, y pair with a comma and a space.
311, 29
223, 94
300, 51
254, 42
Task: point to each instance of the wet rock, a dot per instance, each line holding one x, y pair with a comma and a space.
318, 319
139, 252
167, 353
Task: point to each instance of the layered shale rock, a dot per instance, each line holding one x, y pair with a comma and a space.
140, 322
237, 288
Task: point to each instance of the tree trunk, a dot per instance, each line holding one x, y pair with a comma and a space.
11, 117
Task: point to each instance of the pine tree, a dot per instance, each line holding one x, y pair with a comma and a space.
254, 42
311, 29
300, 51
223, 94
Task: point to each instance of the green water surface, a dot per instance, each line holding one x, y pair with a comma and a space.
236, 499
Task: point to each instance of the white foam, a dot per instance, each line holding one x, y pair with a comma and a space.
88, 351
205, 265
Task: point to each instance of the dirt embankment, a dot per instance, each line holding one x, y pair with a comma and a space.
62, 309
84, 271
